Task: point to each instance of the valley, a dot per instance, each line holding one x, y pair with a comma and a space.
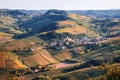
59, 45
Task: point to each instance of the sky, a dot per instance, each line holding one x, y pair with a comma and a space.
60, 4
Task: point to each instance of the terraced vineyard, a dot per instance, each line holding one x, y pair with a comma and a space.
42, 58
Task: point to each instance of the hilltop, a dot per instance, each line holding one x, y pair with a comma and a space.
59, 22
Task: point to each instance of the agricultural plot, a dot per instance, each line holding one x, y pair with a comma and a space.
63, 55
42, 58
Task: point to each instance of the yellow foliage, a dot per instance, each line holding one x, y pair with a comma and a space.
66, 23
75, 30
75, 16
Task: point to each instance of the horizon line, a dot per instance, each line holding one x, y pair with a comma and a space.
58, 9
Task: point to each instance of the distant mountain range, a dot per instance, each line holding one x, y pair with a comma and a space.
112, 13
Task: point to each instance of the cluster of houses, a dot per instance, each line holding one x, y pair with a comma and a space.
62, 44
90, 40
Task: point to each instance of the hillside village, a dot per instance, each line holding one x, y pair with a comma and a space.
62, 44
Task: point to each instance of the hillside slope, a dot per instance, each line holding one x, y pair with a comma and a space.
59, 22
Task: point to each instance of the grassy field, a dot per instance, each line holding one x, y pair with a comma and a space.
74, 28
79, 17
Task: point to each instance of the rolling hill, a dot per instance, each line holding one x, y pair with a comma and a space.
59, 22
68, 45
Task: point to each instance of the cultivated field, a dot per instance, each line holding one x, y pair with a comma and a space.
42, 58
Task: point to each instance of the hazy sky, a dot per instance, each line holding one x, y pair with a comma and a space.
60, 4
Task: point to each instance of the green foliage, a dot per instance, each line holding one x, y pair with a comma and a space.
104, 27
